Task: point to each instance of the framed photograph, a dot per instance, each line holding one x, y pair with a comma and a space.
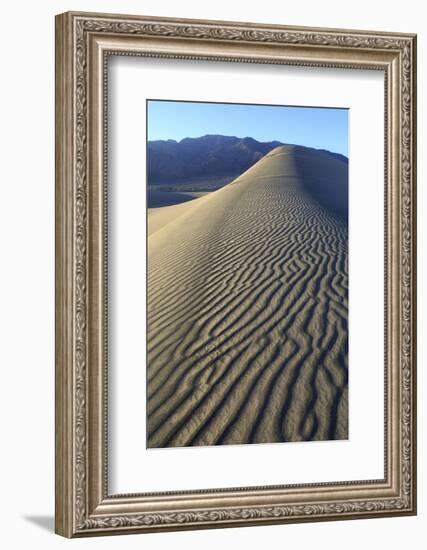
235, 274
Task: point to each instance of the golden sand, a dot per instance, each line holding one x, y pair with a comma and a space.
247, 308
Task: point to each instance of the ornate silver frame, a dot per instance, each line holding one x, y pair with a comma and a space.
83, 42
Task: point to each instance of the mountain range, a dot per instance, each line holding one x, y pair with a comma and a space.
209, 156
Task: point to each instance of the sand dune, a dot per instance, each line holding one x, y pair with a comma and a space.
247, 308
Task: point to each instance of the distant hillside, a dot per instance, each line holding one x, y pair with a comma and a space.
206, 156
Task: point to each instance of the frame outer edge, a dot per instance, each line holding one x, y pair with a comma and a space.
64, 237
236, 24
414, 270
73, 518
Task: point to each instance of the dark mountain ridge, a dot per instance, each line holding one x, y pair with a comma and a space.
206, 156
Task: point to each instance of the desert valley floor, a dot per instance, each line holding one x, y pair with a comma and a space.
248, 306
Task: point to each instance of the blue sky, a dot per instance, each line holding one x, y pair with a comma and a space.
322, 128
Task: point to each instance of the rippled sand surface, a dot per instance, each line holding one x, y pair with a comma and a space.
247, 308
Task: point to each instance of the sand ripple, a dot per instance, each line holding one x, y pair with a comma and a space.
247, 308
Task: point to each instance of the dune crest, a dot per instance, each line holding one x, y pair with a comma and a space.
247, 308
